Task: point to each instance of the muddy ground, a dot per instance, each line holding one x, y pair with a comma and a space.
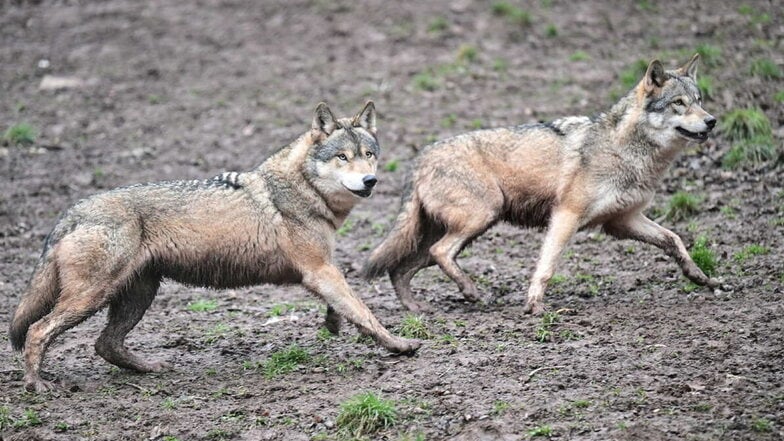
180, 91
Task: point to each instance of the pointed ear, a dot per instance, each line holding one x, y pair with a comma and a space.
366, 118
654, 76
323, 120
690, 68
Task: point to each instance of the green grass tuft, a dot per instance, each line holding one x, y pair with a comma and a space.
467, 54
705, 84
744, 124
426, 81
285, 361
765, 68
437, 25
761, 425
20, 134
579, 56
365, 414
682, 205
632, 74
710, 55
545, 431
392, 165
703, 256
414, 326
514, 14
203, 305
749, 251
551, 31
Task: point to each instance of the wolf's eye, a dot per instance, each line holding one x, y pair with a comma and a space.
369, 154
342, 157
679, 102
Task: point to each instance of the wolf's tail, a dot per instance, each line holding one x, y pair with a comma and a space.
38, 300
401, 242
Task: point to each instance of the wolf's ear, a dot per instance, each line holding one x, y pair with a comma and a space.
323, 120
690, 68
366, 118
654, 76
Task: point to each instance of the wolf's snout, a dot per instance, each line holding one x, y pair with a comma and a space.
710, 122
369, 181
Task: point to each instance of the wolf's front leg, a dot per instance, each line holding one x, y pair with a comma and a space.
639, 227
563, 225
327, 282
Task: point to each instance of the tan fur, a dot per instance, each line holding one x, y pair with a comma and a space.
273, 224
567, 175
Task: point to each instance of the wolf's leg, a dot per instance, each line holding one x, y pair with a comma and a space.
327, 282
563, 225
401, 280
639, 227
445, 250
125, 311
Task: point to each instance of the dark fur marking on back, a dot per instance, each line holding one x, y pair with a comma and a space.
557, 130
228, 179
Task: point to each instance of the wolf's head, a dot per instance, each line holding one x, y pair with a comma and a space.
343, 159
672, 104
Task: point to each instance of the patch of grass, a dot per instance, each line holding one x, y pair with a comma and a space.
285, 361
745, 124
20, 134
682, 205
392, 165
5, 418
437, 25
347, 226
710, 55
467, 54
203, 305
217, 332
579, 56
544, 332
779, 96
449, 121
765, 68
745, 9
631, 75
551, 31
703, 256
750, 250
169, 403
690, 287
705, 84
581, 404
512, 13
29, 418
702, 407
501, 65
761, 425
557, 279
414, 326
476, 124
544, 431
500, 407
365, 414
426, 81
323, 334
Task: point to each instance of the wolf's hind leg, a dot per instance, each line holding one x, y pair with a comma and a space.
125, 311
401, 280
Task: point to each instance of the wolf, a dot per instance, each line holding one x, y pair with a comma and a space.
565, 175
273, 224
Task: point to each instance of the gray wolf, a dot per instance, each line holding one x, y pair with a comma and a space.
273, 224
566, 175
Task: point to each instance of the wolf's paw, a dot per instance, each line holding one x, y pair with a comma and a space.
404, 346
156, 366
418, 307
534, 308
472, 295
713, 283
38, 385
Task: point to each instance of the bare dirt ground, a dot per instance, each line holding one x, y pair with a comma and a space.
176, 90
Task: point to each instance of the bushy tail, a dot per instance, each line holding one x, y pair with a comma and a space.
400, 242
37, 301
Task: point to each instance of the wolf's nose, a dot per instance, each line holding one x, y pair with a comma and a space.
369, 181
710, 122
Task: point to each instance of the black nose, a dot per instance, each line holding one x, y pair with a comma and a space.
710, 122
369, 181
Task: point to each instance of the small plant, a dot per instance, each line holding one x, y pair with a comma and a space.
29, 419
512, 13
761, 425
323, 334
744, 124
203, 305
169, 403
392, 165
5, 418
710, 56
414, 326
579, 56
551, 31
545, 431
632, 74
779, 96
705, 84
581, 404
467, 54
703, 256
347, 226
500, 407
449, 120
702, 407
765, 68
285, 361
745, 9
751, 250
544, 331
500, 65
437, 25
20, 134
426, 81
681, 206
365, 414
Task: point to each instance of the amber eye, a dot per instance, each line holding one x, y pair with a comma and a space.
342, 157
369, 154
679, 102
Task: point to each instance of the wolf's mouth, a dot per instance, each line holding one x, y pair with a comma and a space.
361, 193
698, 136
